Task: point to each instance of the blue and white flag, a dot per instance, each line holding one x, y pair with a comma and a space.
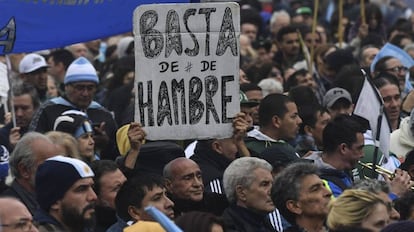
33, 25
160, 217
394, 51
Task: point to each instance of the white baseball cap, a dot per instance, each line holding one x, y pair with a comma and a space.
32, 62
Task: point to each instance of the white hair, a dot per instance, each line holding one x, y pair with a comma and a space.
270, 85
278, 14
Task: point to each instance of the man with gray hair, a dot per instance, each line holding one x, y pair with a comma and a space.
278, 20
31, 150
247, 183
301, 197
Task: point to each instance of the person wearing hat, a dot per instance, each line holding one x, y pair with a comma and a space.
303, 15
81, 82
65, 195
247, 107
78, 125
338, 101
33, 70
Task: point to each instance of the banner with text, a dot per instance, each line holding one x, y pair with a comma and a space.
187, 68
33, 25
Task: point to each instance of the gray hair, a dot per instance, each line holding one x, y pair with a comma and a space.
287, 185
270, 85
372, 185
23, 154
240, 173
277, 14
25, 88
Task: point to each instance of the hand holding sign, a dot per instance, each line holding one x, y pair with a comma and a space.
188, 61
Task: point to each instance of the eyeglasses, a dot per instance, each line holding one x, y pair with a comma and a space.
23, 225
397, 69
81, 88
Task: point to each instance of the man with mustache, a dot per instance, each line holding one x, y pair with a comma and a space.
65, 195
185, 187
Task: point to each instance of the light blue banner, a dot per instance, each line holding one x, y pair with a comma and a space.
33, 25
394, 51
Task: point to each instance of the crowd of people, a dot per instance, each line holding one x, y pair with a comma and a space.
72, 158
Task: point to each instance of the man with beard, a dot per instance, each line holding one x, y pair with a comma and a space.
289, 47
65, 195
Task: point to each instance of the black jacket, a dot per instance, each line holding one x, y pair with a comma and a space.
241, 219
44, 119
212, 166
27, 198
212, 203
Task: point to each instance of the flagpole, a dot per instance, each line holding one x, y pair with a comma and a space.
304, 50
315, 19
362, 12
379, 122
9, 69
340, 26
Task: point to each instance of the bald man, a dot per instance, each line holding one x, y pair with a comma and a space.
185, 188
14, 216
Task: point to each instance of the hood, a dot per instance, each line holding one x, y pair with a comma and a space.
402, 140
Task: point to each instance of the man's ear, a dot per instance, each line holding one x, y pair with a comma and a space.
276, 121
342, 147
134, 213
216, 146
240, 193
56, 206
293, 207
308, 129
168, 184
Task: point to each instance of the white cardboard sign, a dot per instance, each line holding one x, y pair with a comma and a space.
187, 68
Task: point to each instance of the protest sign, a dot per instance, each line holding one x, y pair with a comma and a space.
187, 68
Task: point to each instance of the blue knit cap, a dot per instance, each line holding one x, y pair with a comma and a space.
56, 176
81, 70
